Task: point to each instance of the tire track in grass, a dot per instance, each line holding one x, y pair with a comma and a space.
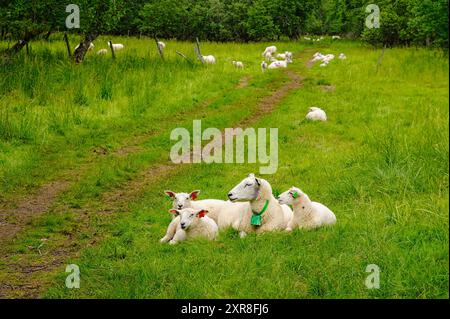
31, 278
14, 216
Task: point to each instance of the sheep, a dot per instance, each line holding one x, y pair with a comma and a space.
278, 64
225, 213
281, 56
91, 46
209, 59
335, 37
116, 46
324, 58
342, 56
191, 223
269, 51
266, 213
307, 38
307, 214
324, 64
102, 51
263, 66
238, 64
285, 56
316, 114
161, 45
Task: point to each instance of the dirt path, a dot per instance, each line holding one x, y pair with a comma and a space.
29, 279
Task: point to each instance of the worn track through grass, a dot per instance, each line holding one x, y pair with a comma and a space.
31, 278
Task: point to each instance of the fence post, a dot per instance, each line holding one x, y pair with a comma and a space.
67, 45
112, 49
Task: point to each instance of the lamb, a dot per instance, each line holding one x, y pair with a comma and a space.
91, 46
342, 56
209, 59
263, 66
316, 114
191, 223
102, 51
278, 64
266, 213
225, 213
307, 214
161, 45
116, 46
269, 51
238, 64
285, 56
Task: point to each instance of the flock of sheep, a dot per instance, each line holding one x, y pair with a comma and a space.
251, 208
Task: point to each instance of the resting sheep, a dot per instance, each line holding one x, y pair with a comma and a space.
102, 51
238, 64
266, 213
316, 114
224, 213
342, 56
267, 54
278, 64
191, 223
209, 59
307, 214
116, 46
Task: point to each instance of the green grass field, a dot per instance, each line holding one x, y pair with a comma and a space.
84, 160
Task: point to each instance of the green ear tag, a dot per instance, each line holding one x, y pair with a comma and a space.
256, 220
294, 195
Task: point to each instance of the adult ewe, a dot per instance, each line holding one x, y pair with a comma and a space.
269, 51
191, 223
238, 64
307, 214
209, 59
316, 114
266, 213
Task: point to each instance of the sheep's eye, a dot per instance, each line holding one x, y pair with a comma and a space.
248, 185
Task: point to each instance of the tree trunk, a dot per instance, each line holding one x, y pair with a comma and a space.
21, 43
80, 52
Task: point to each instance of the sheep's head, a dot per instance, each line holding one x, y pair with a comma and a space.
182, 200
295, 197
314, 108
247, 190
188, 216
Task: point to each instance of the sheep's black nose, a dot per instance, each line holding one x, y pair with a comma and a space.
180, 206
230, 195
183, 225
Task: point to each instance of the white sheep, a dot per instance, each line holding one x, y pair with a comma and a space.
285, 56
342, 56
269, 51
238, 64
263, 66
265, 214
102, 51
307, 38
191, 223
225, 213
91, 46
161, 45
116, 46
209, 59
278, 64
335, 37
316, 114
307, 214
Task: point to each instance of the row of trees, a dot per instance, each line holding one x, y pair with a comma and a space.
422, 22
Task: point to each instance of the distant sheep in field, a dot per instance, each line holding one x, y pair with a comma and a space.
209, 59
102, 51
335, 37
191, 223
324, 58
161, 45
278, 65
285, 56
263, 66
307, 214
269, 51
316, 114
342, 56
238, 64
116, 46
307, 38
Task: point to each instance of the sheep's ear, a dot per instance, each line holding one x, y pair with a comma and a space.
194, 194
294, 194
202, 213
170, 194
174, 212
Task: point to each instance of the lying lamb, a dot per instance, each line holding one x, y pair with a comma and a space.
116, 46
316, 114
225, 213
209, 59
266, 213
191, 223
238, 64
307, 214
278, 64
